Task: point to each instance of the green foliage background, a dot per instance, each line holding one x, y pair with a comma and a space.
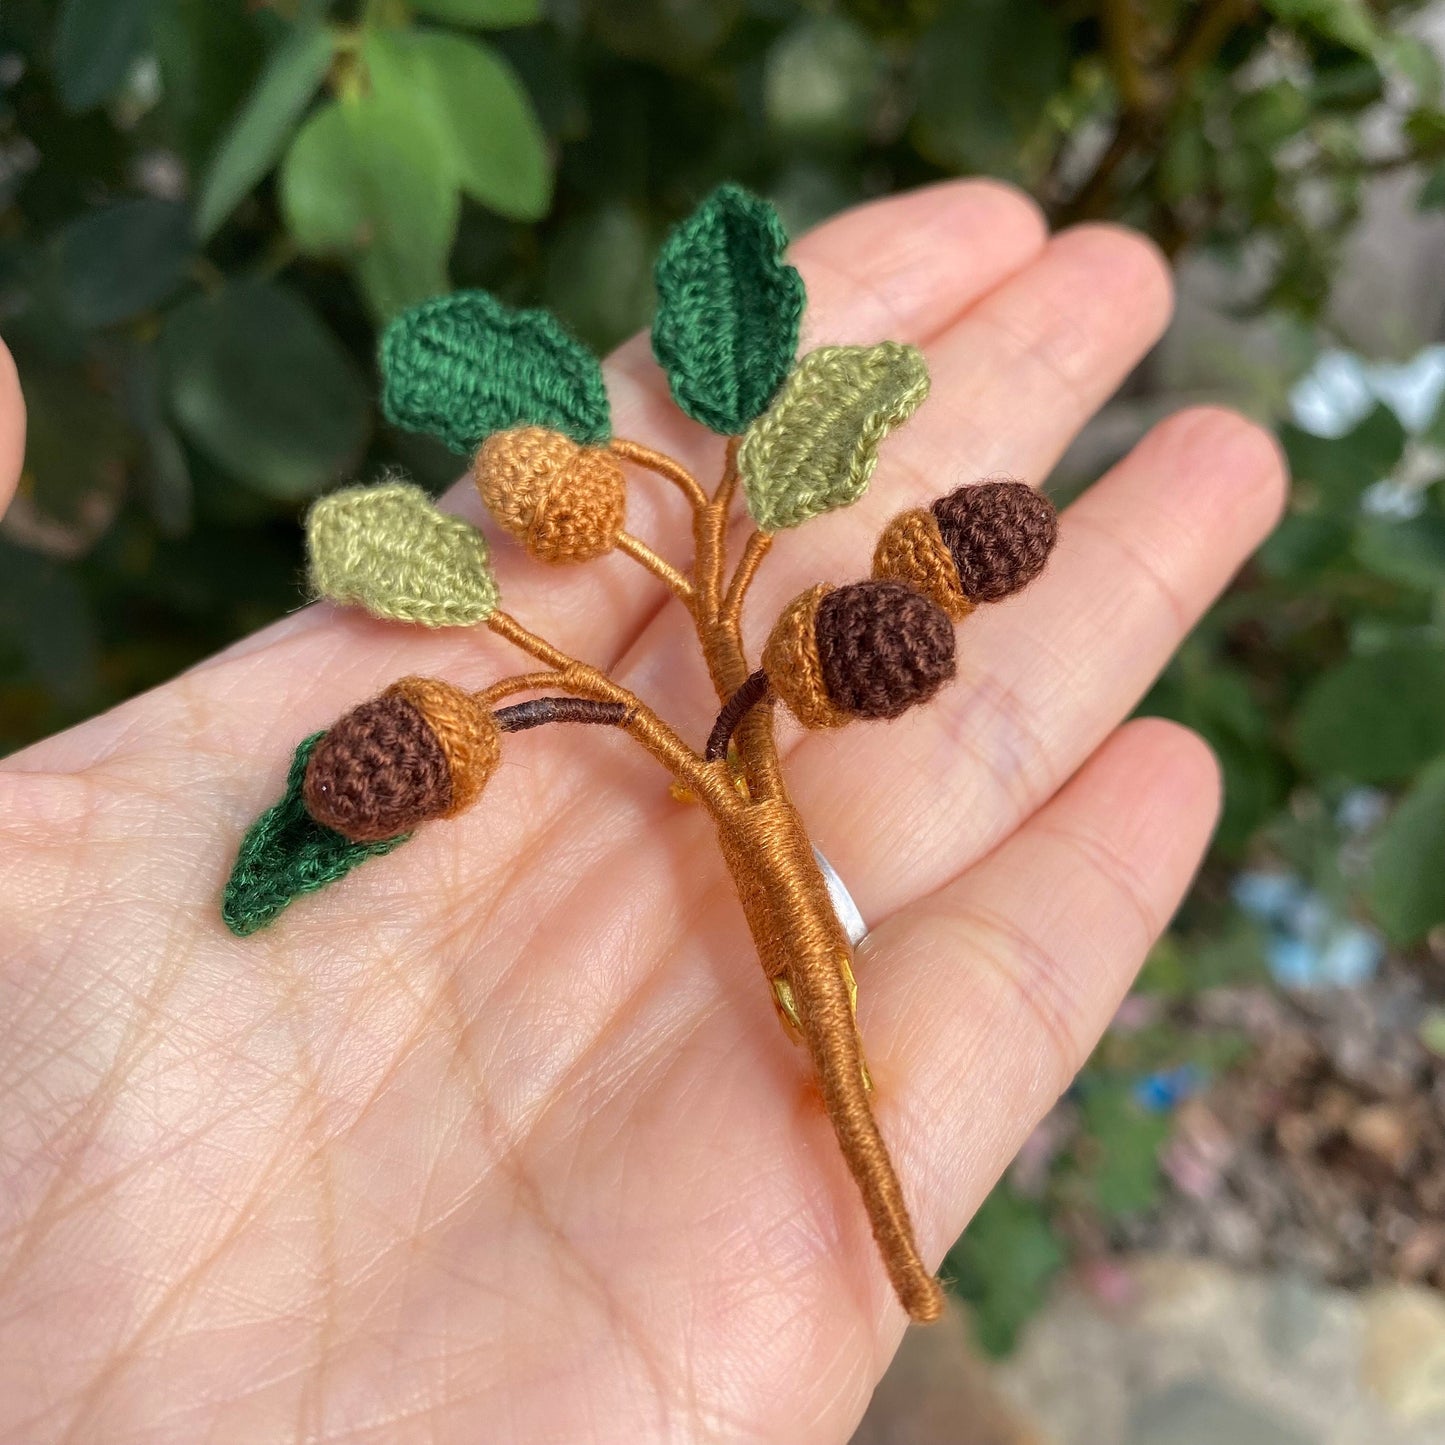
209, 207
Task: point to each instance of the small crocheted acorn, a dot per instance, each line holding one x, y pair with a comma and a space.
979, 544
564, 502
867, 650
422, 750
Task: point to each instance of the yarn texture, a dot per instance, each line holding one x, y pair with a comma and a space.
793, 666
463, 366
563, 502
466, 732
817, 445
729, 309
911, 550
882, 648
388, 550
1000, 535
286, 853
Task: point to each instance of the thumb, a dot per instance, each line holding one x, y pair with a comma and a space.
12, 427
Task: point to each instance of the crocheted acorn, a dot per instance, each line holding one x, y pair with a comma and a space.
979, 544
423, 749
867, 650
564, 502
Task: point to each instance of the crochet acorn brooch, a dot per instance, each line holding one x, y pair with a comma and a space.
512, 391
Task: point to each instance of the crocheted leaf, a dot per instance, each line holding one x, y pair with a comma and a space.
389, 550
728, 310
464, 366
816, 446
286, 853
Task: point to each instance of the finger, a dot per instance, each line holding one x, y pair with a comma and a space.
12, 427
1014, 379
986, 997
1045, 677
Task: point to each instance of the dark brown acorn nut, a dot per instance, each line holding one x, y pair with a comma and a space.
999, 534
423, 749
867, 650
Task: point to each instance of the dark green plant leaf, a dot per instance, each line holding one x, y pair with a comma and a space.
481, 14
984, 75
166, 474
1004, 1264
366, 177
1407, 864
599, 275
1347, 22
1432, 193
728, 310
1411, 552
464, 366
258, 135
44, 608
480, 111
286, 853
96, 43
1375, 718
123, 259
261, 386
815, 448
1343, 467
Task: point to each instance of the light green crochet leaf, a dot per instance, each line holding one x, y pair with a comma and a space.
815, 448
389, 550
464, 366
286, 853
728, 310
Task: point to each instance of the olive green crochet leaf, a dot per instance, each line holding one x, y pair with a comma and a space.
728, 310
286, 853
816, 446
464, 366
388, 550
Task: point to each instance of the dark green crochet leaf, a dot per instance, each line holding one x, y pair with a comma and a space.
286, 853
728, 310
464, 366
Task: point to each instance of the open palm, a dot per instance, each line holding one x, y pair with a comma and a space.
498, 1138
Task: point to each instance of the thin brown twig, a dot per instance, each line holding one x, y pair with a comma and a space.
663, 465
756, 549
640, 552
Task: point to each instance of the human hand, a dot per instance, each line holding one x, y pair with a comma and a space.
498, 1138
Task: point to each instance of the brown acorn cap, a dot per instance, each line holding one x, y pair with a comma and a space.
421, 750
883, 647
1000, 535
911, 550
794, 669
564, 502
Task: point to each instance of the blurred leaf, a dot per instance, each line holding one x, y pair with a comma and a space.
258, 135
76, 447
483, 14
366, 177
96, 43
1348, 22
1305, 543
1124, 1167
502, 368
123, 259
1343, 467
1003, 1266
1375, 718
725, 346
1271, 115
262, 387
984, 76
1432, 193
166, 474
1407, 863
821, 80
1411, 551
208, 56
44, 607
599, 275
481, 114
